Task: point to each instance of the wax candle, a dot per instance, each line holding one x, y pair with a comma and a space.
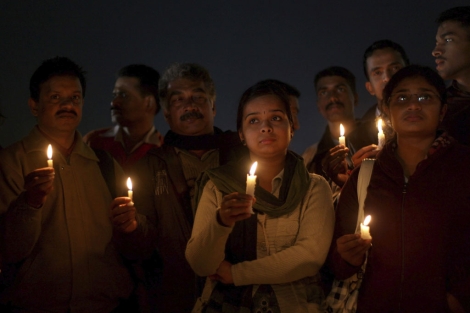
365, 234
381, 135
342, 139
251, 182
49, 156
130, 193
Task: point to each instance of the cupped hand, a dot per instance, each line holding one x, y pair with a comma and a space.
122, 214
353, 248
363, 153
38, 185
334, 164
235, 207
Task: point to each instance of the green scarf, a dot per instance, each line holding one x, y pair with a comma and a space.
232, 177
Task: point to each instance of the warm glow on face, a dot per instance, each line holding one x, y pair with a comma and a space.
367, 220
253, 168
379, 125
49, 152
129, 183
341, 129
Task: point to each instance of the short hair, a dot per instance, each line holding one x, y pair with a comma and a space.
58, 66
337, 71
148, 79
191, 71
457, 14
410, 71
289, 89
263, 88
383, 44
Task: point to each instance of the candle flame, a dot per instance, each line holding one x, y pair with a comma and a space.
253, 168
341, 129
49, 152
379, 125
129, 183
367, 220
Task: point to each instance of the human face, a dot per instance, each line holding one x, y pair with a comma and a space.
59, 108
452, 51
294, 108
129, 107
266, 128
381, 65
190, 109
413, 117
335, 99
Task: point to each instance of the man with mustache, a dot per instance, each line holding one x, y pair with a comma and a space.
156, 229
134, 106
452, 53
336, 98
55, 229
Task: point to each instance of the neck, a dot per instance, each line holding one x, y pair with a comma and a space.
411, 151
134, 134
268, 169
348, 125
64, 139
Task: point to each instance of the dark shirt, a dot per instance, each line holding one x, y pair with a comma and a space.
457, 119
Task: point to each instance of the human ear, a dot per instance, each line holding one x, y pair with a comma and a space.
33, 106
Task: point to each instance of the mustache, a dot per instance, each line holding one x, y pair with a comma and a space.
192, 114
66, 111
114, 108
334, 103
439, 57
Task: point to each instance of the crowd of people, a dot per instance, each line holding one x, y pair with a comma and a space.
189, 236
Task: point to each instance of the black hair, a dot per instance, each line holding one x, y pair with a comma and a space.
379, 45
263, 88
458, 14
289, 89
337, 71
148, 79
58, 66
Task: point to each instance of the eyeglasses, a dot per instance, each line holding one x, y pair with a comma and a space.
406, 97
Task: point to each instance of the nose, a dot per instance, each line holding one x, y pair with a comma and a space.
387, 75
67, 102
413, 103
437, 51
266, 127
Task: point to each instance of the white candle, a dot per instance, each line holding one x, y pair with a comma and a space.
365, 234
251, 182
49, 156
342, 139
130, 192
381, 135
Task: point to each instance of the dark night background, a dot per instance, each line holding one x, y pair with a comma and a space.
239, 42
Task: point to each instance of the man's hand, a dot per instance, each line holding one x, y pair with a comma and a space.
38, 185
352, 248
235, 207
363, 153
224, 273
334, 164
123, 215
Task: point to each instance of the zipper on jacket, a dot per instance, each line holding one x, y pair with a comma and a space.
402, 275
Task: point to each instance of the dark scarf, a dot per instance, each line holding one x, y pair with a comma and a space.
241, 244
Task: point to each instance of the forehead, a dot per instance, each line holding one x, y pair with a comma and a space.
184, 84
414, 83
266, 102
384, 57
58, 83
331, 81
127, 82
454, 28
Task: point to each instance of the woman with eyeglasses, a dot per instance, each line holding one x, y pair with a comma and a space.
419, 200
267, 261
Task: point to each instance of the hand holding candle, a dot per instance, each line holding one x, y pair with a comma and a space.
130, 192
49, 156
342, 139
251, 182
381, 136
365, 234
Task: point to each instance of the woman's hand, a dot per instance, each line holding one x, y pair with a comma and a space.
224, 273
352, 248
235, 207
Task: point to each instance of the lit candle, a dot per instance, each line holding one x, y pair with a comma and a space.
130, 192
381, 135
251, 182
365, 234
49, 156
342, 139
